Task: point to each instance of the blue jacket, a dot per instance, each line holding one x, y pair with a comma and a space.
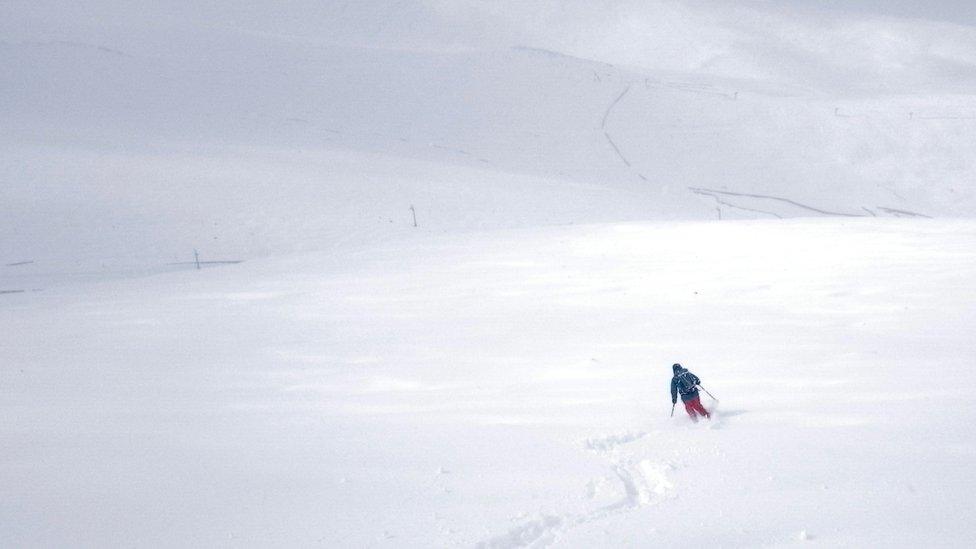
690, 379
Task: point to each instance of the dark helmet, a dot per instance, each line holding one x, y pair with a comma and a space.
677, 368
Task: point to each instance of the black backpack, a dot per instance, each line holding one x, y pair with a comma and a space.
686, 382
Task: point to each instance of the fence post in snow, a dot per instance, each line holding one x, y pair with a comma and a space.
196, 258
414, 212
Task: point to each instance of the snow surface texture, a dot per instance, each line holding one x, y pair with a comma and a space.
508, 389
781, 200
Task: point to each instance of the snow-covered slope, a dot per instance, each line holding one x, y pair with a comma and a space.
132, 136
475, 236
508, 389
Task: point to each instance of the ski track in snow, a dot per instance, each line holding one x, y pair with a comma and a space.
714, 193
702, 190
641, 482
717, 196
617, 149
903, 213
679, 86
606, 134
721, 202
606, 115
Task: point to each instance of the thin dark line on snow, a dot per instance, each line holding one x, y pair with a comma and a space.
617, 149
606, 115
903, 212
780, 199
718, 200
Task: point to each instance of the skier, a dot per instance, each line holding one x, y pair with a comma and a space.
686, 383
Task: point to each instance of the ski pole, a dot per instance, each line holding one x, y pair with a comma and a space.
709, 394
672, 408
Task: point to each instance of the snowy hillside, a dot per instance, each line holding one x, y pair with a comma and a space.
451, 250
248, 132
508, 390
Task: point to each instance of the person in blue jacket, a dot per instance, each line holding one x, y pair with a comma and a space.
685, 383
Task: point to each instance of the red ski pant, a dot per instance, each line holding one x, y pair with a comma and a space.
694, 408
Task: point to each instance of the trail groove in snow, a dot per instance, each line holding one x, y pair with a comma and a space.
702, 190
539, 532
721, 202
606, 134
617, 149
644, 481
641, 482
606, 115
903, 213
